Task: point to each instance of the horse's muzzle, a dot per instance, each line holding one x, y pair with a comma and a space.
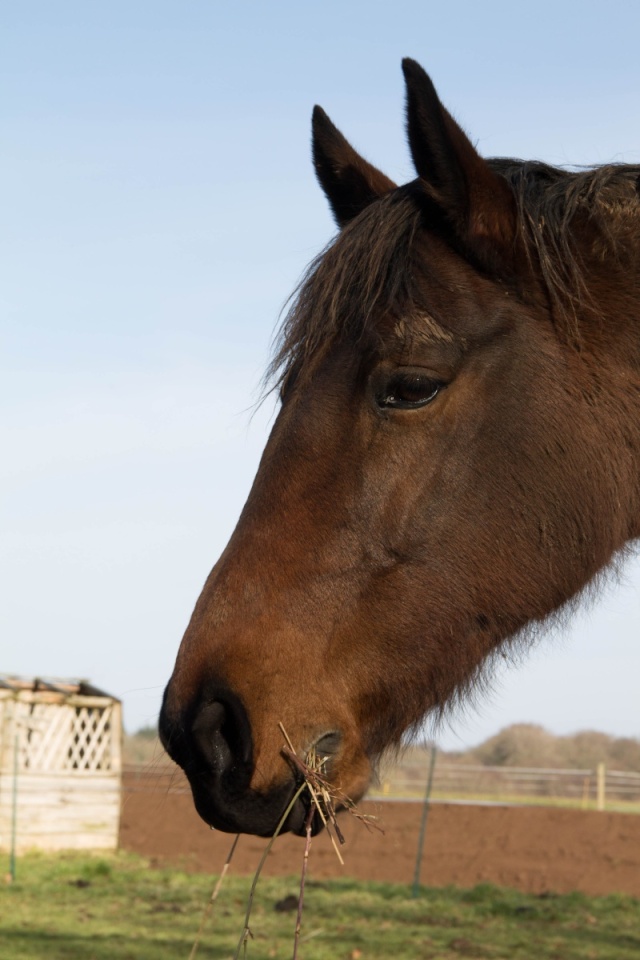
212, 743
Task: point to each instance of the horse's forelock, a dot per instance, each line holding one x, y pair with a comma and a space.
369, 270
363, 274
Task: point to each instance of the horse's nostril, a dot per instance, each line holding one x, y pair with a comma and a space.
209, 731
220, 736
328, 744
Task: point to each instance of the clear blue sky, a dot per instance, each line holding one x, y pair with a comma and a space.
158, 206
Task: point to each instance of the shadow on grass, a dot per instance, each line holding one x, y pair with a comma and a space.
28, 944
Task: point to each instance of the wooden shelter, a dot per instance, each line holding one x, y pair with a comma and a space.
60, 765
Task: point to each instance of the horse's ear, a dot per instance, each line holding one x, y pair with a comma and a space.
350, 183
477, 203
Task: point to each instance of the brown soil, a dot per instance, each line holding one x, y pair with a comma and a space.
534, 849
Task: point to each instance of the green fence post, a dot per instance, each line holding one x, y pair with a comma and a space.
423, 822
14, 811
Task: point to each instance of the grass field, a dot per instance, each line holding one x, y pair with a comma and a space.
78, 907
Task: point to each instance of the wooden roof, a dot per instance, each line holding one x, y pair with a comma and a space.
52, 685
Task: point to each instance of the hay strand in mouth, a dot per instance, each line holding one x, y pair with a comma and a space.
214, 896
303, 877
323, 797
246, 930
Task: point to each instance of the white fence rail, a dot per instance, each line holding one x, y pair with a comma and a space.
459, 781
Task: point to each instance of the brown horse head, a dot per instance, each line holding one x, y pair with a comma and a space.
457, 456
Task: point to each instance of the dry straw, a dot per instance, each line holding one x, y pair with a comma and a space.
324, 798
246, 930
214, 896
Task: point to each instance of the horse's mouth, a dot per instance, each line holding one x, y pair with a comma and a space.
255, 813
304, 813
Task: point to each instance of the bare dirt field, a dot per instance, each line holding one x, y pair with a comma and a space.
533, 849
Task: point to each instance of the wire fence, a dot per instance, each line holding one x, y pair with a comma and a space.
599, 788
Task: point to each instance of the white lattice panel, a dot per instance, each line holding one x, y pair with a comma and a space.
90, 747
64, 737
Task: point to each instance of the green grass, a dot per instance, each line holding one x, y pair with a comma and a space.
78, 907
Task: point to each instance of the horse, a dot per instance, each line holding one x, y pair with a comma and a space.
455, 461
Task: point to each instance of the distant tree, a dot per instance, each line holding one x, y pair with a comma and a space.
529, 745
521, 745
586, 749
589, 747
625, 754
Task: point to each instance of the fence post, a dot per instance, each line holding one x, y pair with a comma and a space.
601, 786
423, 823
14, 810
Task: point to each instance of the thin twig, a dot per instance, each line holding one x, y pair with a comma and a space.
214, 896
286, 736
303, 876
246, 932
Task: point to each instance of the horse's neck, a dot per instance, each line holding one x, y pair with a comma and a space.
614, 345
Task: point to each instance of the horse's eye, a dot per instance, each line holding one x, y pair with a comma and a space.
407, 391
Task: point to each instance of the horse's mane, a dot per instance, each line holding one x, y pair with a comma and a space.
370, 266
554, 206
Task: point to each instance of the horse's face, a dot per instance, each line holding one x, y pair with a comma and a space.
394, 531
348, 599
